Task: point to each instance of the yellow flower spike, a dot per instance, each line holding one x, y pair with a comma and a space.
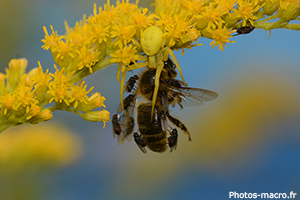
220, 37
32, 149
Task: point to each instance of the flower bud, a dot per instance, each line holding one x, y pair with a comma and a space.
2, 84
97, 116
16, 70
95, 101
44, 115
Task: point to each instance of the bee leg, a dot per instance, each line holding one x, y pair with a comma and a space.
179, 124
168, 52
140, 142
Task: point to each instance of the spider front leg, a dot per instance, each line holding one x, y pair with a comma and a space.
156, 85
123, 77
119, 72
167, 51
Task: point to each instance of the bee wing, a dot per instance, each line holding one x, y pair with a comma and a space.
114, 134
121, 138
127, 126
165, 108
193, 96
143, 149
173, 148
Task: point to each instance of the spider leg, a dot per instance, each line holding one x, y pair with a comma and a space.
122, 89
168, 51
137, 66
119, 72
123, 76
157, 76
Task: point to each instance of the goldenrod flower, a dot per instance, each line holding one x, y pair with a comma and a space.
123, 34
87, 58
79, 94
51, 41
125, 55
221, 37
210, 17
24, 97
59, 87
34, 148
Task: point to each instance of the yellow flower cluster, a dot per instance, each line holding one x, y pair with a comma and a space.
111, 29
31, 148
113, 34
27, 97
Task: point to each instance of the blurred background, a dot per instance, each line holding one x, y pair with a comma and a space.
247, 140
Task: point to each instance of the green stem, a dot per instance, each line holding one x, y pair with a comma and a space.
273, 25
85, 72
4, 126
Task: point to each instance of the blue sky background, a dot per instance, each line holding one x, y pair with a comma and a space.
265, 160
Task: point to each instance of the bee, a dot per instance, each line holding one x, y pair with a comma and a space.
116, 125
152, 128
127, 102
244, 30
130, 84
172, 140
122, 127
140, 142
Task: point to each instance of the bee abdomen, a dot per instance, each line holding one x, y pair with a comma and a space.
157, 142
151, 129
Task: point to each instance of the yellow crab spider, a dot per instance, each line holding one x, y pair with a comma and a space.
152, 43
